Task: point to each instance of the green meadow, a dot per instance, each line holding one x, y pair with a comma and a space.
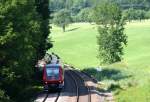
131, 79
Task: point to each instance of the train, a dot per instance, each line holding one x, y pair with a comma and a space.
53, 76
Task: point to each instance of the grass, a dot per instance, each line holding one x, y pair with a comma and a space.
78, 46
74, 46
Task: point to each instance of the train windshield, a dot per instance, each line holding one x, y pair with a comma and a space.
52, 73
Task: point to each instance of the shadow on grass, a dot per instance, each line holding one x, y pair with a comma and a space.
72, 29
113, 76
106, 74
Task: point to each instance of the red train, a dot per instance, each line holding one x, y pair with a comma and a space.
53, 76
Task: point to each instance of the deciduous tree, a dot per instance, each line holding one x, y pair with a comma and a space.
23, 35
111, 38
62, 18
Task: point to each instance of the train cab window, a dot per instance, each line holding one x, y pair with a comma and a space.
52, 73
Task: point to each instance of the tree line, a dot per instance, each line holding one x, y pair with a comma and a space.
24, 30
69, 11
76, 5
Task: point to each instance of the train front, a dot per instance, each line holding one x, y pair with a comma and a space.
53, 76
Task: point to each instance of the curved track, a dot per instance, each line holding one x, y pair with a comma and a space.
76, 85
45, 98
83, 93
75, 90
54, 99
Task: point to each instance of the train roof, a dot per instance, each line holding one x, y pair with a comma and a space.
53, 65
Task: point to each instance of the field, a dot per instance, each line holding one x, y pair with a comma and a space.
129, 79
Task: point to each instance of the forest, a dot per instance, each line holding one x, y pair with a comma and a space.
80, 10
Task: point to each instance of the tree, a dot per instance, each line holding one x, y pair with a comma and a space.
130, 14
140, 14
62, 18
85, 15
23, 34
111, 38
42, 7
147, 15
133, 14
3, 98
68, 4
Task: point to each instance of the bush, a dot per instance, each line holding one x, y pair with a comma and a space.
62, 18
4, 98
85, 15
147, 15
133, 14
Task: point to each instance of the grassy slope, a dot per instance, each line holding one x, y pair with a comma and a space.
137, 56
78, 47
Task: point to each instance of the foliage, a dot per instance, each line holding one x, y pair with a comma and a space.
42, 7
62, 18
111, 37
79, 9
57, 5
147, 15
129, 14
133, 14
140, 14
23, 36
85, 15
3, 98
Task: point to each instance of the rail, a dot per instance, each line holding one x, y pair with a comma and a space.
76, 84
88, 88
58, 94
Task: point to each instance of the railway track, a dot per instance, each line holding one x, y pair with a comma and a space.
76, 84
45, 97
82, 90
54, 99
48, 97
